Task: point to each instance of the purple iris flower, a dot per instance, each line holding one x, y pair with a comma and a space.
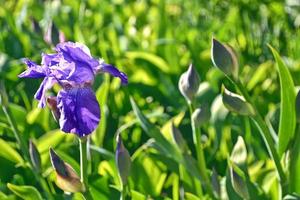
72, 66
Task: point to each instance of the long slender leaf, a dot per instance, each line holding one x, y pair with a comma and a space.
10, 153
287, 122
25, 192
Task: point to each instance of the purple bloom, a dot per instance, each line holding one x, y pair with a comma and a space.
72, 67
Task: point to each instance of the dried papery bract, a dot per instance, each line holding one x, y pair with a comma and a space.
189, 83
66, 177
224, 58
123, 160
236, 103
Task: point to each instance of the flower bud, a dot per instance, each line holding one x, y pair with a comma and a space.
66, 177
189, 83
298, 107
34, 156
178, 139
236, 103
239, 184
201, 115
239, 152
123, 160
224, 58
3, 95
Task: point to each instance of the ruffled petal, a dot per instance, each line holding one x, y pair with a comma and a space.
40, 94
79, 111
33, 71
103, 67
77, 64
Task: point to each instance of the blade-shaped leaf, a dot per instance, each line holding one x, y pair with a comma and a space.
9, 153
287, 113
169, 149
25, 192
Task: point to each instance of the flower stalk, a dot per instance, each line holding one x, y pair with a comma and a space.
199, 151
84, 166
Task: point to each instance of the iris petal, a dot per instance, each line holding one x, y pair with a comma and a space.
33, 71
80, 111
40, 94
114, 72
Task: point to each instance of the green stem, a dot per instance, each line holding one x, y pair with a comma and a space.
199, 151
266, 135
24, 149
84, 166
294, 163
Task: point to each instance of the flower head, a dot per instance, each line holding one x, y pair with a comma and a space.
74, 69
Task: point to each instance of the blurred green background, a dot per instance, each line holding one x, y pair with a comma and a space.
153, 42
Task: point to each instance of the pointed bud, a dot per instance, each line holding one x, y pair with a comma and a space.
178, 139
189, 83
123, 160
298, 107
239, 184
3, 95
224, 58
201, 115
239, 152
66, 177
52, 104
236, 103
215, 183
34, 156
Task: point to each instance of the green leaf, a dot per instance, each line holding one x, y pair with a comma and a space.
154, 59
287, 122
50, 139
169, 149
102, 94
10, 153
153, 132
25, 192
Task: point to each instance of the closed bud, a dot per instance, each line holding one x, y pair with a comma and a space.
239, 152
201, 115
189, 83
236, 103
224, 58
123, 160
239, 184
215, 183
298, 107
178, 139
34, 156
3, 95
66, 177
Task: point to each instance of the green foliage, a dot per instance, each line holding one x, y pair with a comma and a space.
287, 121
25, 192
154, 42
